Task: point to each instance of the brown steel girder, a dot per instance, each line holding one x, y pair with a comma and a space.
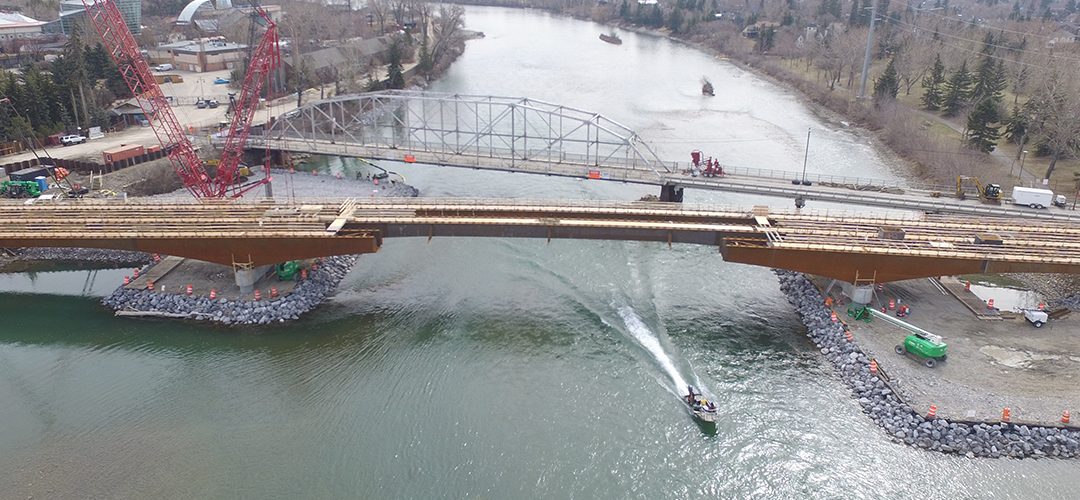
846, 266
257, 250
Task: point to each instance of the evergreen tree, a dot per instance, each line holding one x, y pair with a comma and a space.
933, 86
675, 20
425, 64
888, 84
957, 91
1016, 129
395, 76
982, 128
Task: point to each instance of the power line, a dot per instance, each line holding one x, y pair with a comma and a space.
992, 56
977, 25
982, 43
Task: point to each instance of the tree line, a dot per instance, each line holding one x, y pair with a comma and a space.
73, 92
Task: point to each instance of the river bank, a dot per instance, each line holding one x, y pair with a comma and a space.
896, 417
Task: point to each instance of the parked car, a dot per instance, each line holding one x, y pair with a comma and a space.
163, 67
220, 81
68, 140
202, 104
212, 103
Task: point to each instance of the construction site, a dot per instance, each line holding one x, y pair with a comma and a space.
249, 260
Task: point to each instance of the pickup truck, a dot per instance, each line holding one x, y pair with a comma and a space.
68, 140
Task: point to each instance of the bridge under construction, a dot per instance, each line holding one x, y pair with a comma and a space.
857, 249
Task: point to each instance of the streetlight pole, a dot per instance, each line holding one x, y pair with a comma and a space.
1023, 156
869, 42
806, 155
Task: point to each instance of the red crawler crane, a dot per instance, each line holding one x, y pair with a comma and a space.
109, 23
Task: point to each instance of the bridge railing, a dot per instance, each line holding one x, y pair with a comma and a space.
607, 168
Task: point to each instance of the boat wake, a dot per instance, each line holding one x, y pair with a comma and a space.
651, 343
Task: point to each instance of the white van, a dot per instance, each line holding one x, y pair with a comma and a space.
163, 67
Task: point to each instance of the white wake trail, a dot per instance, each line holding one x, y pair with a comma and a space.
651, 343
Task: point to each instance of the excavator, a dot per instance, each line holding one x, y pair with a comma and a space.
990, 193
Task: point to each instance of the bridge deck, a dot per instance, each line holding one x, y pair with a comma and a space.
838, 246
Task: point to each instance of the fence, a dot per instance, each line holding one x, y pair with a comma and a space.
84, 167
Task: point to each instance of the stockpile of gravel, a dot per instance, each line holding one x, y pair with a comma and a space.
897, 418
118, 257
307, 295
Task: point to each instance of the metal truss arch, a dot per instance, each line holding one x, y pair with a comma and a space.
461, 128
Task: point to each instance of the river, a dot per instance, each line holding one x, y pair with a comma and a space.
491, 368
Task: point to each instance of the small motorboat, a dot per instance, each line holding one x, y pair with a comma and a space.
611, 38
706, 87
701, 408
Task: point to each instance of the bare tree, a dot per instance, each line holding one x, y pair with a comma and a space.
1055, 106
448, 29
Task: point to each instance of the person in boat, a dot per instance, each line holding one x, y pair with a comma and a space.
690, 399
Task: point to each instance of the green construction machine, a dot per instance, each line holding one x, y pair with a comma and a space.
286, 271
931, 348
20, 189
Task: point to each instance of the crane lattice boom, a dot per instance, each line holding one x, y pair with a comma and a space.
106, 19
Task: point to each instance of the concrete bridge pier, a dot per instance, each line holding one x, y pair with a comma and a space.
671, 193
859, 294
247, 277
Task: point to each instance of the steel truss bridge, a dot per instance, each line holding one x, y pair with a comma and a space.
526, 135
852, 248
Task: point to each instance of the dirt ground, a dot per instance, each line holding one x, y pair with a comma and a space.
204, 276
992, 364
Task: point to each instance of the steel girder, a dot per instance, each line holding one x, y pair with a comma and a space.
511, 129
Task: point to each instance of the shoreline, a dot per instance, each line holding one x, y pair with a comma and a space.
883, 403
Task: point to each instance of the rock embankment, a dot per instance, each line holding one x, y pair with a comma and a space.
307, 295
898, 419
118, 257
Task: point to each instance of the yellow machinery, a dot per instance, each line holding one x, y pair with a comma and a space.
990, 192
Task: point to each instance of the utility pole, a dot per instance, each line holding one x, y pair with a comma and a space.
869, 43
806, 155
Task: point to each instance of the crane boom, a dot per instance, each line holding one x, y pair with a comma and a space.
263, 60
106, 19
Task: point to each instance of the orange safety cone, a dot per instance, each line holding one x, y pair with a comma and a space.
1042, 306
136, 273
989, 303
213, 294
833, 317
873, 367
967, 286
258, 296
892, 304
303, 274
150, 285
1005, 414
189, 289
127, 280
1065, 417
273, 292
828, 301
880, 287
157, 258
849, 336
315, 172
930, 415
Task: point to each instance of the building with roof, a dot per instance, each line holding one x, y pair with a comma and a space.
14, 25
200, 55
73, 11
